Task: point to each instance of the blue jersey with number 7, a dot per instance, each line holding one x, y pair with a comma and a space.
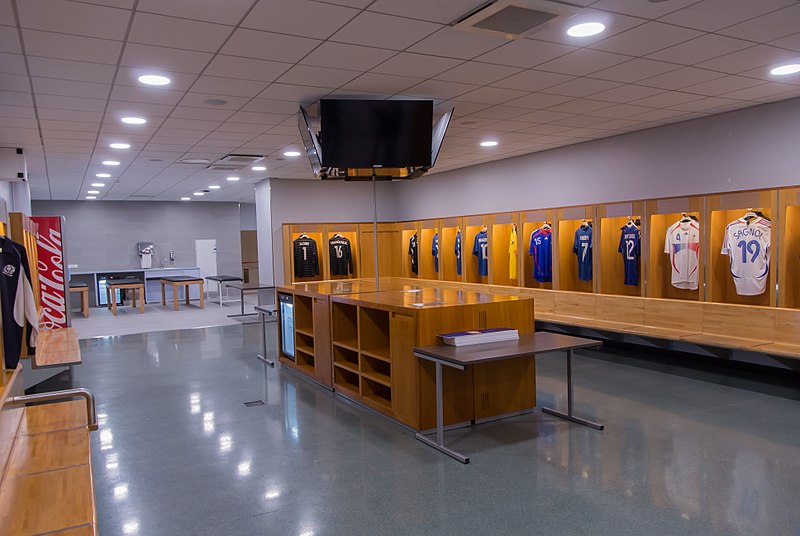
583, 249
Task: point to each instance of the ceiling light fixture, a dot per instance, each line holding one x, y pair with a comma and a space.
120, 145
154, 80
90, 197
110, 163
783, 70
232, 179
488, 143
259, 168
98, 184
214, 187
291, 153
102, 175
93, 192
134, 120
586, 29
186, 198
199, 193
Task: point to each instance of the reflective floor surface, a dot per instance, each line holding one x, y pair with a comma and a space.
179, 453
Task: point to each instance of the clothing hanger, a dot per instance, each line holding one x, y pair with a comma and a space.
584, 224
484, 229
303, 235
545, 225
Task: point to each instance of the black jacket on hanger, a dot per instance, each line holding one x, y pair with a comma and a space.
17, 301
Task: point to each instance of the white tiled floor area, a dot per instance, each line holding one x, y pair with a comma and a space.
157, 317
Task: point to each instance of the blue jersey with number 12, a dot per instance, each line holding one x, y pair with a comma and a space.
458, 252
630, 247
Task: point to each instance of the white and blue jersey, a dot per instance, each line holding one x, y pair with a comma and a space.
458, 252
747, 245
481, 250
583, 249
630, 247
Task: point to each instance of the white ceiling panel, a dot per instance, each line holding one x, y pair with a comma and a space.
418, 65
146, 95
232, 126
306, 75
258, 118
205, 114
76, 126
148, 109
9, 40
491, 95
227, 12
646, 39
761, 93
647, 10
268, 46
246, 68
440, 89
15, 82
582, 62
457, 44
580, 106
381, 83
443, 12
532, 80
285, 108
556, 32
218, 85
12, 64
525, 53
635, 70
205, 100
626, 93
726, 84
71, 47
164, 59
501, 112
73, 18
713, 15
345, 56
387, 31
474, 72
299, 17
792, 42
69, 70
680, 78
69, 88
538, 100
667, 99
709, 104
749, 58
700, 49
70, 103
582, 87
176, 32
294, 93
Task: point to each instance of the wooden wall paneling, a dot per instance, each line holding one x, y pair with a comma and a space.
568, 221
682, 315
500, 227
577, 304
787, 326
315, 231
288, 253
350, 232
409, 229
405, 369
529, 222
723, 210
543, 301
739, 321
427, 267
389, 259
323, 361
789, 247
10, 415
447, 243
626, 309
474, 225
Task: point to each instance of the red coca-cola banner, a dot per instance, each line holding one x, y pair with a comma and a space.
52, 280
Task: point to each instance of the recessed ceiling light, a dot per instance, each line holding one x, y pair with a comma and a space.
134, 120
98, 184
198, 193
233, 179
90, 197
214, 187
120, 145
102, 175
194, 161
586, 29
488, 143
110, 163
93, 192
154, 80
783, 70
259, 168
291, 153
186, 198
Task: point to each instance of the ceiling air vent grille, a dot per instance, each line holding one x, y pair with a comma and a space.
515, 20
240, 159
218, 167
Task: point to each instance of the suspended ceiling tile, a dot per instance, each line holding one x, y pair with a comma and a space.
583, 61
626, 93
419, 65
713, 15
761, 93
473, 72
12, 64
792, 42
749, 58
170, 60
246, 68
68, 135
461, 108
500, 112
206, 114
317, 76
127, 76
347, 56
146, 95
228, 86
582, 87
648, 10
440, 89
614, 25
285, 108
457, 44
73, 18
150, 110
299, 17
387, 31
232, 126
191, 124
14, 82
22, 112
525, 53
441, 12
9, 40
705, 105
293, 93
538, 101
703, 48
70, 88
532, 80
268, 46
635, 70
71, 47
667, 99
70, 103
722, 85
580, 106
491, 95
257, 118
646, 39
173, 32
205, 100
680, 78
77, 126
227, 12
381, 83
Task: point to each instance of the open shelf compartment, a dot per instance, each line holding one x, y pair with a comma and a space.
345, 324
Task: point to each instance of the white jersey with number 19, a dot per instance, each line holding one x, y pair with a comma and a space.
747, 245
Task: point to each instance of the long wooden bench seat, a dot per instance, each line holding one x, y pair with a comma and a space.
57, 348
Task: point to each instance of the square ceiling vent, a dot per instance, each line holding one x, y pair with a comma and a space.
514, 19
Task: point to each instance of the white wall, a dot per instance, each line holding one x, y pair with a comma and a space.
748, 149
247, 216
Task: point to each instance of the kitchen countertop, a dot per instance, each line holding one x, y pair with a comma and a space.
133, 270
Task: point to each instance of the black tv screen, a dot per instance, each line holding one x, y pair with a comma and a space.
376, 133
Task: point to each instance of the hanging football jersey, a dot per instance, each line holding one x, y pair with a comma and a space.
413, 252
306, 261
541, 252
17, 301
582, 247
435, 252
512, 253
457, 250
747, 244
480, 249
683, 247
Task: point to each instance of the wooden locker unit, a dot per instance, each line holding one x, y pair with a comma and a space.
568, 221
611, 269
722, 210
409, 229
447, 245
662, 214
390, 261
500, 227
789, 245
315, 231
427, 268
474, 225
529, 222
350, 232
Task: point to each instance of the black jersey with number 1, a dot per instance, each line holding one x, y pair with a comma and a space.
341, 256
306, 262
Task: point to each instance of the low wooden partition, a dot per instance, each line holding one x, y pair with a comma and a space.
363, 347
45, 466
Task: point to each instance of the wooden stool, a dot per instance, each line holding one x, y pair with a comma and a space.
83, 288
125, 284
184, 281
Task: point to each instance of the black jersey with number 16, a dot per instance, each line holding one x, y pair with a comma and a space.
341, 256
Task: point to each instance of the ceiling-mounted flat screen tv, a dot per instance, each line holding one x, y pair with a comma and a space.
376, 133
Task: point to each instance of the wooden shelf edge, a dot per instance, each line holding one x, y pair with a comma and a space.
386, 405
348, 389
347, 345
377, 377
346, 366
381, 354
306, 332
306, 350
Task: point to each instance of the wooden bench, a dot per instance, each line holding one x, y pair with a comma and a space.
46, 481
184, 281
134, 285
57, 348
83, 290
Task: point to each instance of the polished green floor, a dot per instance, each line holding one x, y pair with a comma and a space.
684, 451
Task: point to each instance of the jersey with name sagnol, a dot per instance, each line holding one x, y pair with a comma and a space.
683, 247
457, 250
435, 252
630, 248
480, 249
582, 247
541, 251
747, 246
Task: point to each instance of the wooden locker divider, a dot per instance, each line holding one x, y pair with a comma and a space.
529, 222
427, 230
350, 232
724, 209
22, 230
789, 244
389, 259
662, 214
568, 221
611, 272
474, 225
500, 226
3, 232
447, 245
407, 230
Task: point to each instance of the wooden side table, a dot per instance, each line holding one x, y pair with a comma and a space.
184, 281
133, 285
83, 289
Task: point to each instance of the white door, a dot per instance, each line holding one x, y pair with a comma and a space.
206, 255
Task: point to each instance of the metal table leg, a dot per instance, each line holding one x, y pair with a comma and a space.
439, 443
569, 415
242, 301
263, 355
